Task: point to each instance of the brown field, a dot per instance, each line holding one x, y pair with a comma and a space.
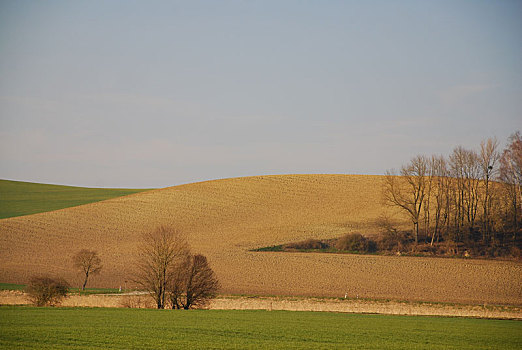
224, 219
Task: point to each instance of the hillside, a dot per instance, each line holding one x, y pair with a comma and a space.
19, 198
224, 219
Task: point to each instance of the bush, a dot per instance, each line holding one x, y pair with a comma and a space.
45, 290
356, 242
391, 239
307, 244
394, 240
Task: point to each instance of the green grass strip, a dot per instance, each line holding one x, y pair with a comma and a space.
11, 286
72, 290
98, 328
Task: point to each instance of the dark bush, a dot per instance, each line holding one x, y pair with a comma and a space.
307, 244
356, 242
394, 241
45, 290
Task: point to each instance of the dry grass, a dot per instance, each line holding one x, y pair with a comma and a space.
223, 219
351, 305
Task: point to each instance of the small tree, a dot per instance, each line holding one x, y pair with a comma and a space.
88, 262
45, 290
161, 253
193, 284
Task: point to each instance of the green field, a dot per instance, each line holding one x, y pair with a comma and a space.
11, 286
24, 198
98, 328
72, 290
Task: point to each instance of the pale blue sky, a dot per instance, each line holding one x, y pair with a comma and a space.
158, 93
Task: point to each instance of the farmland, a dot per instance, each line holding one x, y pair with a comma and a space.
79, 328
226, 219
24, 198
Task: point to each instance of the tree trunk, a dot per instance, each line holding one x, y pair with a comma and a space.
85, 281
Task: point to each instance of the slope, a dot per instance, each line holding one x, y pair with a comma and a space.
224, 219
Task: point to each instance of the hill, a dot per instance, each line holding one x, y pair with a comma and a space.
19, 198
225, 219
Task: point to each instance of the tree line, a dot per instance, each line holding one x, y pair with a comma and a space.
472, 197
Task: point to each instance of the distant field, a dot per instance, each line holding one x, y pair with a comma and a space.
226, 219
24, 198
84, 328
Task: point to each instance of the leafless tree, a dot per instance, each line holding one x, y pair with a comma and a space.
441, 190
511, 176
429, 189
161, 253
88, 262
456, 163
408, 191
193, 284
465, 170
489, 157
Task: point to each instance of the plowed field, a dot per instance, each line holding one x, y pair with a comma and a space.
224, 219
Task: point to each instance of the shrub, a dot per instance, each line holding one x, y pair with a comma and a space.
394, 240
45, 290
356, 242
307, 244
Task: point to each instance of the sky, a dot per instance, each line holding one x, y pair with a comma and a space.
144, 94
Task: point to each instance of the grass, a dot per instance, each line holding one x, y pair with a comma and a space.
24, 198
331, 250
11, 286
79, 328
272, 248
72, 290
89, 291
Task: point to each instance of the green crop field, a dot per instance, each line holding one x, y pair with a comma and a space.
24, 198
11, 286
84, 328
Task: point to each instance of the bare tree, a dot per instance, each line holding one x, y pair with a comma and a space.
429, 189
465, 170
193, 284
441, 190
456, 163
88, 262
489, 156
511, 176
161, 253
408, 191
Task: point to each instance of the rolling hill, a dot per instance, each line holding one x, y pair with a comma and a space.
225, 219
